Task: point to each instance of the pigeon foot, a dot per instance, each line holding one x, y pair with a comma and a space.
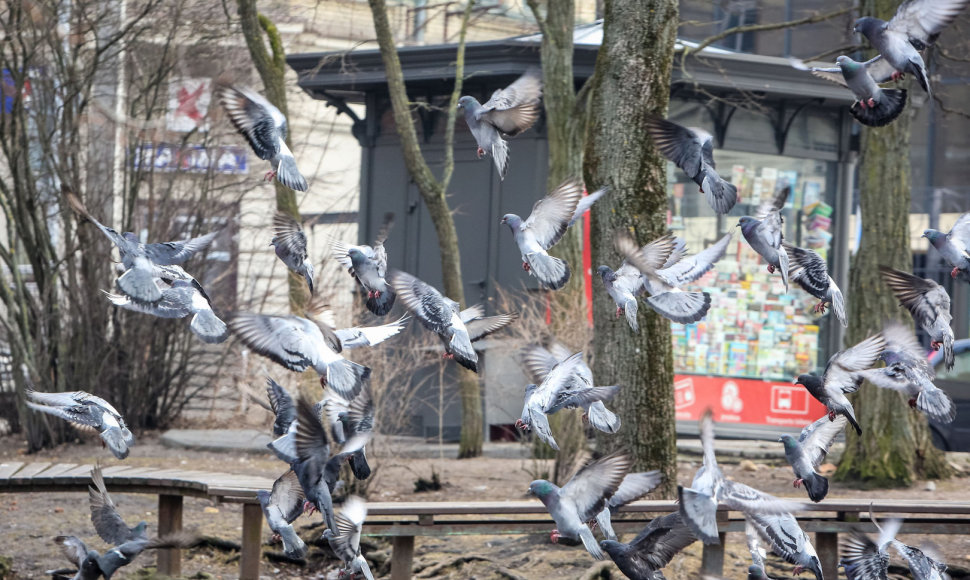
480, 153
935, 345
370, 294
820, 307
862, 104
897, 76
797, 483
270, 175
954, 272
771, 269
798, 570
308, 507
276, 537
832, 415
526, 267
912, 403
619, 311
585, 418
554, 536
448, 355
871, 102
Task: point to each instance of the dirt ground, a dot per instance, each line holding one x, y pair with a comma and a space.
28, 522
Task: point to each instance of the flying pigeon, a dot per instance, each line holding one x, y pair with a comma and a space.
86, 411
508, 112
456, 328
874, 106
921, 565
665, 269
140, 260
807, 452
543, 228
369, 266
763, 233
264, 126
92, 565
583, 496
786, 538
105, 517
290, 243
633, 487
808, 270
345, 542
540, 361
178, 301
843, 374
954, 246
692, 150
281, 403
349, 419
281, 507
863, 559
908, 372
652, 549
916, 25
698, 503
929, 304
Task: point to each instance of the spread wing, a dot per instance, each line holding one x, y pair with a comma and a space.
105, 517
288, 496
817, 438
551, 215
595, 483
693, 267
171, 253
255, 118
296, 343
960, 234
515, 108
370, 335
480, 327
808, 269
924, 298
649, 258
432, 309
678, 144
538, 360
924, 20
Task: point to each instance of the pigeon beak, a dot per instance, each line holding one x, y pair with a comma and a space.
794, 381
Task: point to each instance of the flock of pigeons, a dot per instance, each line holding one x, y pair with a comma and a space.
315, 439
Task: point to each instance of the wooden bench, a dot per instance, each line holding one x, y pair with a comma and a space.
403, 521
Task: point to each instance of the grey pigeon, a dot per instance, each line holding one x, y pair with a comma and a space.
808, 270
140, 260
664, 270
863, 559
624, 286
83, 558
763, 233
456, 328
929, 304
540, 361
633, 487
369, 266
652, 549
786, 538
583, 496
86, 411
586, 202
921, 565
105, 517
954, 246
692, 150
807, 452
908, 372
916, 25
543, 228
91, 565
289, 242
349, 419
508, 112
874, 105
264, 127
345, 542
757, 569
178, 301
281, 403
699, 502
281, 507
843, 375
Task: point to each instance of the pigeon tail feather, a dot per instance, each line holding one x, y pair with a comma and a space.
838, 303
682, 307
935, 403
359, 465
139, 285
948, 357
890, 105
288, 174
630, 311
207, 326
850, 415
783, 265
602, 418
551, 272
589, 541
383, 304
347, 378
699, 512
817, 487
721, 195
293, 546
500, 155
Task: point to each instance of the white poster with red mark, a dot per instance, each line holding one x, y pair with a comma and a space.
188, 104
747, 401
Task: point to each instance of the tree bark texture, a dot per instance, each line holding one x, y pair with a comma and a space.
632, 80
433, 193
895, 447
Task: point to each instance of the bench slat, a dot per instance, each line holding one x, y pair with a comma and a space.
55, 470
29, 471
9, 468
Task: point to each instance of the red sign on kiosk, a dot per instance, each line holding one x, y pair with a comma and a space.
749, 401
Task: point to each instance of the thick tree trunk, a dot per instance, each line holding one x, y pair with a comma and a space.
633, 80
895, 446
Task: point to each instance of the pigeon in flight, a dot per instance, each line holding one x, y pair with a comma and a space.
281, 507
282, 405
929, 304
652, 549
349, 419
633, 487
540, 361
763, 233
756, 570
583, 496
863, 559
369, 266
874, 105
921, 565
290, 243
345, 542
698, 503
543, 228
508, 112
916, 25
105, 517
142, 260
843, 374
178, 301
808, 270
264, 127
86, 411
782, 532
954, 246
456, 328
692, 150
908, 372
807, 452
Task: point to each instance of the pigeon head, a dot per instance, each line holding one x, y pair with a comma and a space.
755, 572
935, 237
542, 489
512, 220
612, 547
816, 567
356, 256
604, 271
139, 530
748, 223
130, 236
867, 25
114, 438
809, 381
467, 102
846, 63
789, 441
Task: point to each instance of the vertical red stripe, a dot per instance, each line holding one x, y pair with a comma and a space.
587, 268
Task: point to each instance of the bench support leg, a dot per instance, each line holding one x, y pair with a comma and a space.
169, 521
827, 547
251, 537
402, 554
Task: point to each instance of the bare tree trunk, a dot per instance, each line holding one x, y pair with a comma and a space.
632, 80
433, 193
895, 447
